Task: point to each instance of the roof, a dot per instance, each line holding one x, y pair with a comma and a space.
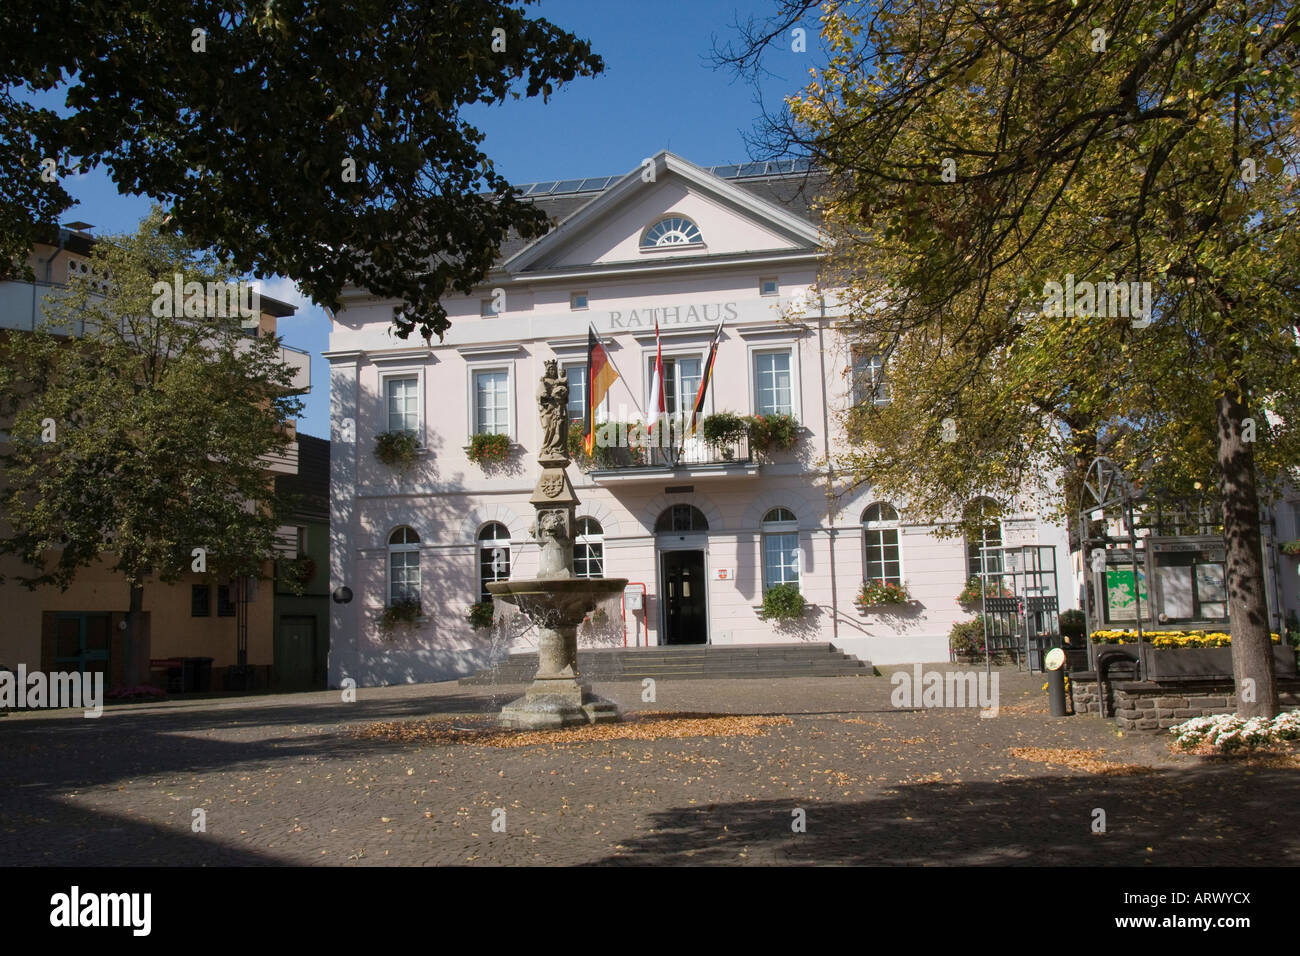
312, 482
789, 183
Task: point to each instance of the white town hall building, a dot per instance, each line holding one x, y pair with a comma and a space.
700, 535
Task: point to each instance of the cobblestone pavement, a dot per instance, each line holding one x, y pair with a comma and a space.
286, 779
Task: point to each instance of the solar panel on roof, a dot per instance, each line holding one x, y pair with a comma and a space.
536, 189
568, 186
724, 172
752, 169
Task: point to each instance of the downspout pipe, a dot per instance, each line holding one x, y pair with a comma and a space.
830, 470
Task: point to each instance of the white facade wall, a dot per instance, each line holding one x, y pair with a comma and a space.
447, 498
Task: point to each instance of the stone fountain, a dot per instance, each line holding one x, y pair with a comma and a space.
555, 600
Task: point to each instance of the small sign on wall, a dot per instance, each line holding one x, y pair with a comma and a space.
724, 574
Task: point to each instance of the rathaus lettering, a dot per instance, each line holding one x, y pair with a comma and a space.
673, 315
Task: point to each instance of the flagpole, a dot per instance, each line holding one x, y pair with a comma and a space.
705, 381
623, 378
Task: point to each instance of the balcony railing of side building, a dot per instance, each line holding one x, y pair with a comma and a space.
22, 308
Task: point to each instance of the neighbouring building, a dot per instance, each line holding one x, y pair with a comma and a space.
81, 629
700, 533
302, 620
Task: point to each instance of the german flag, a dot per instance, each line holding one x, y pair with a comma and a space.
704, 382
601, 375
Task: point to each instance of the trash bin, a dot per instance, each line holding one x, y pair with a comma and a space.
196, 675
203, 674
167, 673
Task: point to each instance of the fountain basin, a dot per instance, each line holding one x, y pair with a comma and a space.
557, 698
556, 602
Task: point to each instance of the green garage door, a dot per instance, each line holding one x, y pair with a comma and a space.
295, 653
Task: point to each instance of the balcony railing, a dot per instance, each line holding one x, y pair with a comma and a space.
691, 453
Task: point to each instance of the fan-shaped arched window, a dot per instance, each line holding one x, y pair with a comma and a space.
672, 231
881, 560
493, 557
403, 566
780, 548
589, 549
681, 518
979, 557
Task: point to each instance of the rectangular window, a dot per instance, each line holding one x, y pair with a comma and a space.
869, 385
494, 565
882, 558
681, 383
773, 390
588, 560
577, 376
780, 559
405, 583
486, 308
578, 301
200, 600
403, 404
981, 554
768, 286
225, 602
492, 402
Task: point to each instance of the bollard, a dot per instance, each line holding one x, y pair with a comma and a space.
1055, 662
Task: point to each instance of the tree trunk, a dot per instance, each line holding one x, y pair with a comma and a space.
1252, 651
130, 664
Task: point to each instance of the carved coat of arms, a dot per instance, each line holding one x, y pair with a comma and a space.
551, 485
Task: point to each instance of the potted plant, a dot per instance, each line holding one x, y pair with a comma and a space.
722, 430
1072, 626
880, 593
970, 594
782, 602
966, 641
480, 615
487, 448
396, 449
297, 572
769, 433
404, 612
577, 453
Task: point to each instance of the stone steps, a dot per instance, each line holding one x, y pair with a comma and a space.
698, 662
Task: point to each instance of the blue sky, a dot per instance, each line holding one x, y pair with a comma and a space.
658, 91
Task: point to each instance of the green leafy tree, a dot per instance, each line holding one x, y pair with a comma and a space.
322, 141
142, 436
977, 153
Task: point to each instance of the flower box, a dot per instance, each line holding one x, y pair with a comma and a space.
1181, 663
880, 594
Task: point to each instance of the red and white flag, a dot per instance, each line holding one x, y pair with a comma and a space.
655, 408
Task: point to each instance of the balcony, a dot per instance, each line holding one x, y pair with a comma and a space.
693, 459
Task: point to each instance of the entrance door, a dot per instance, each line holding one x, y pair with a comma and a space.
295, 653
81, 643
685, 616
